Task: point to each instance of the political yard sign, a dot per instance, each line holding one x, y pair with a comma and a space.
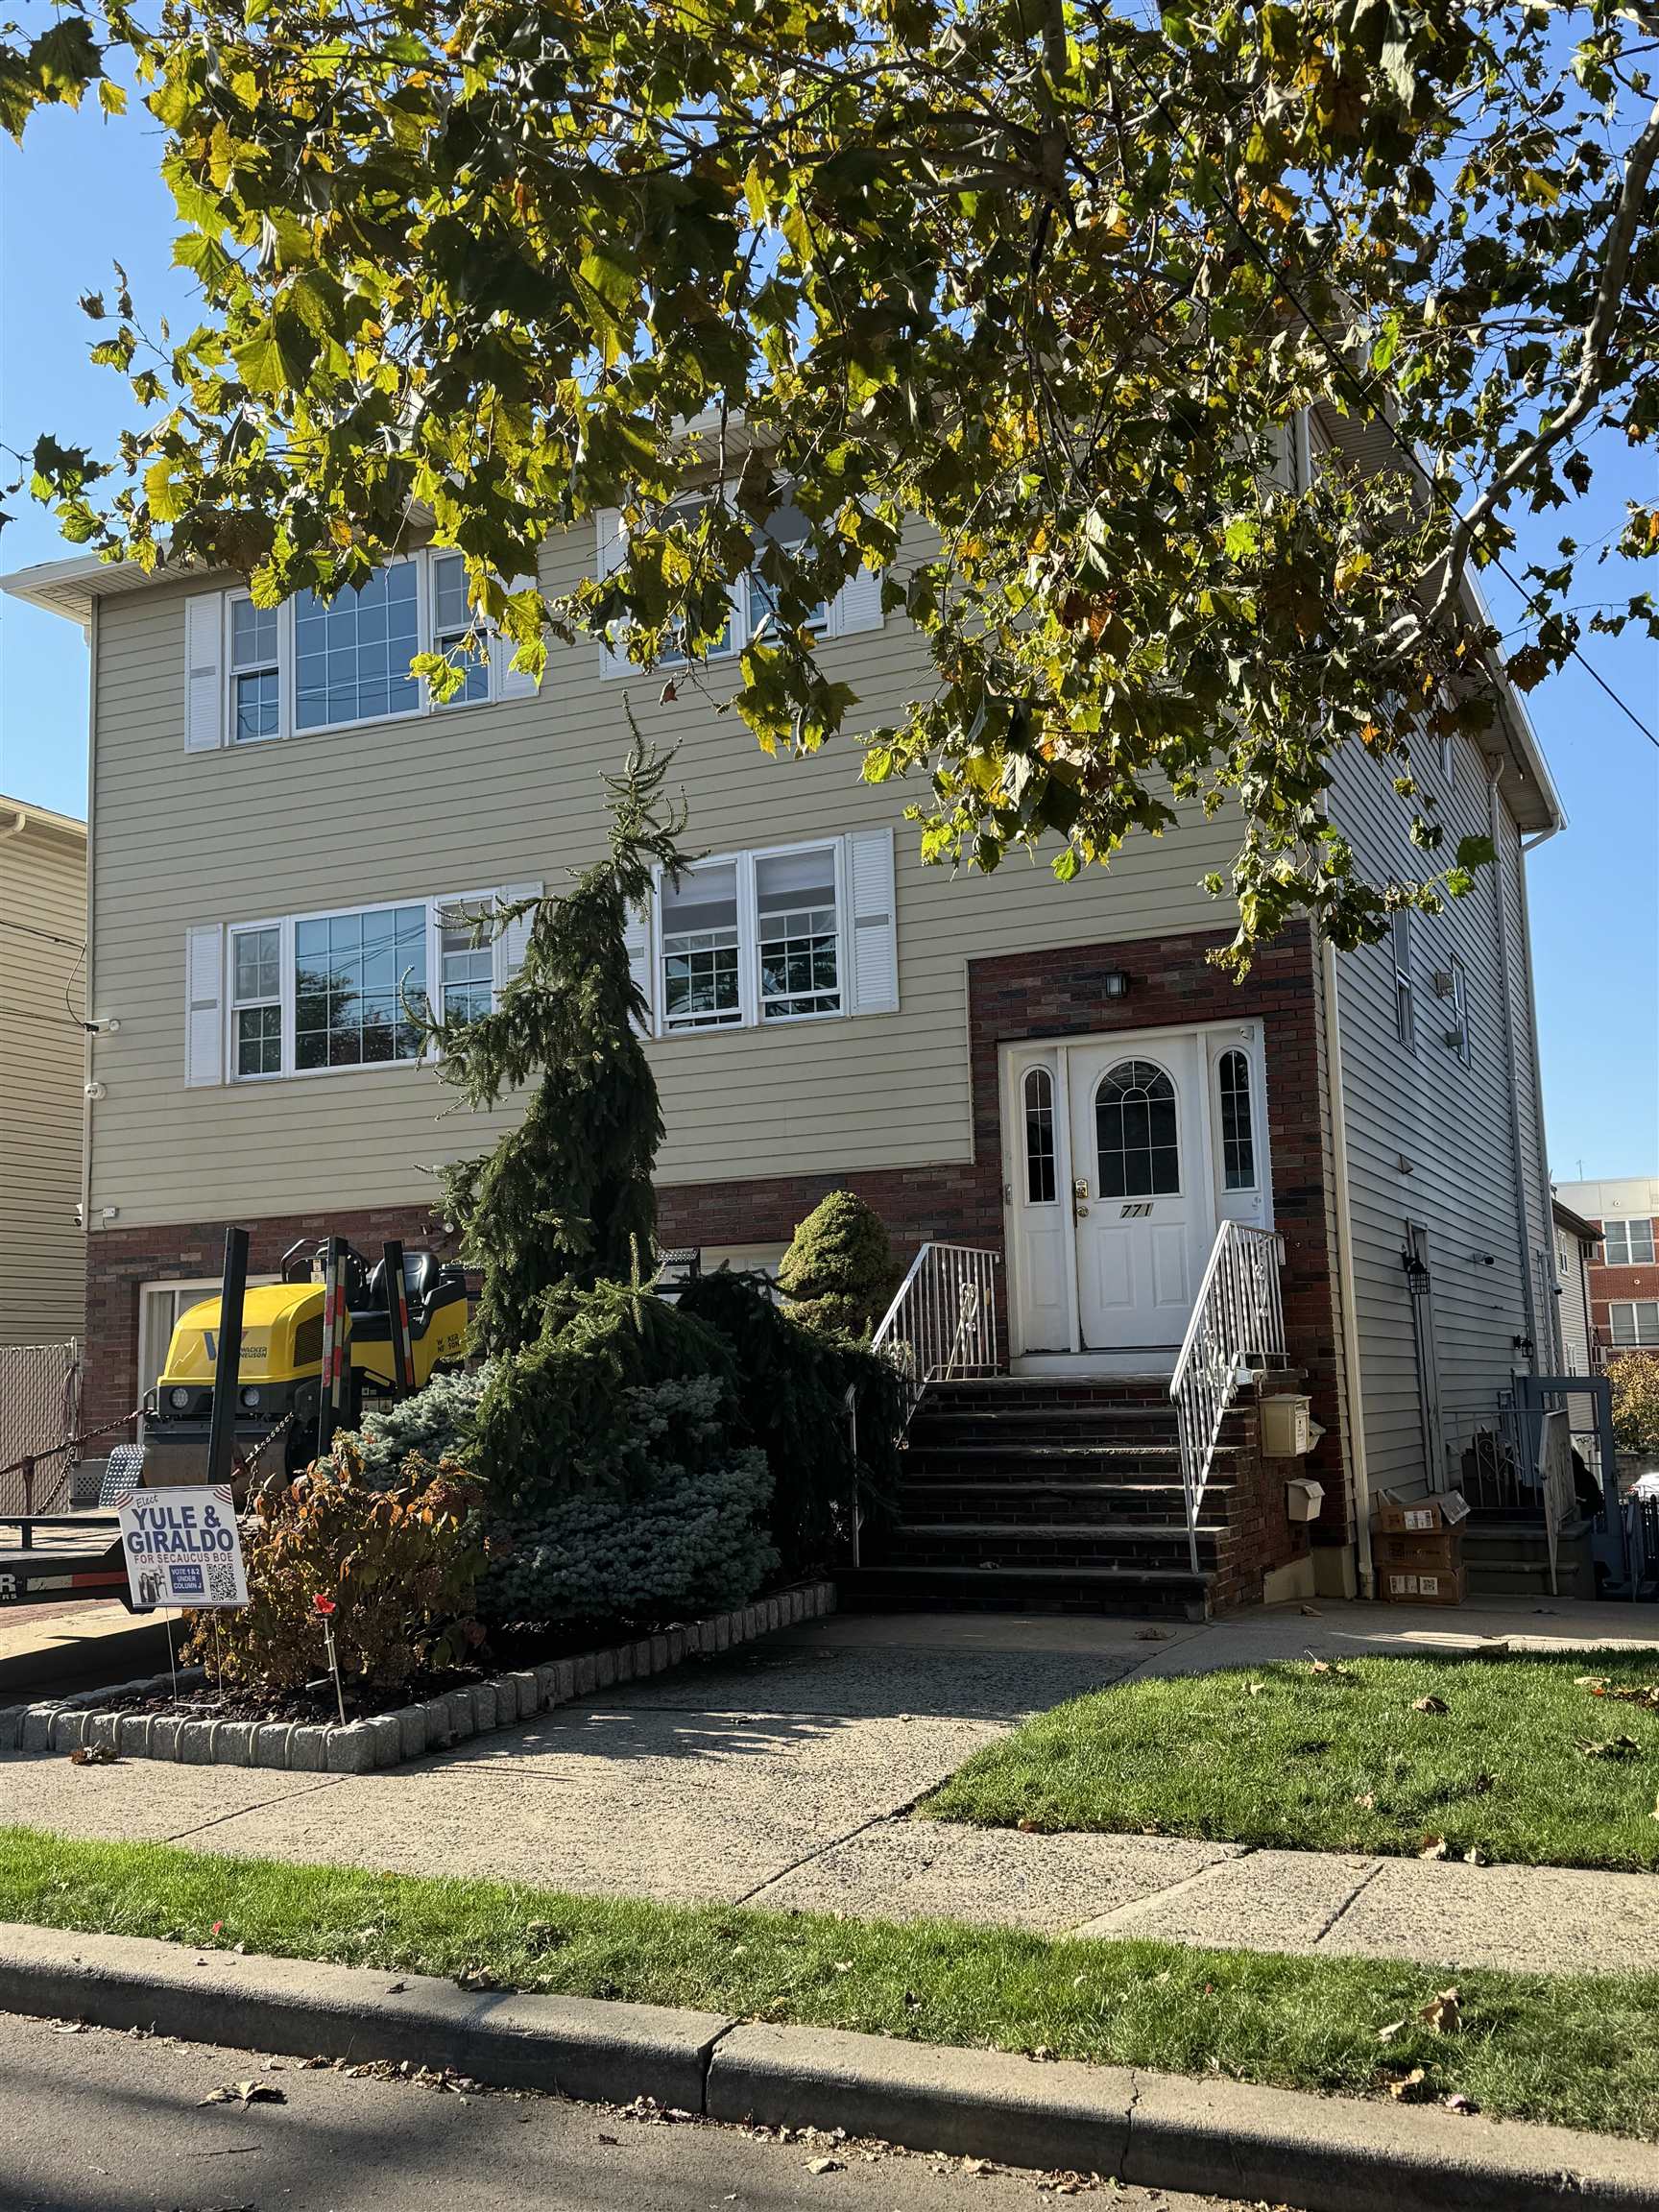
183, 1547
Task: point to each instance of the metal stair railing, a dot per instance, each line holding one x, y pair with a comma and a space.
1238, 1323
943, 1323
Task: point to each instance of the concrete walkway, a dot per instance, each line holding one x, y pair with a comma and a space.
783, 1775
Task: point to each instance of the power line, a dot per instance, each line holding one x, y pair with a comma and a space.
42, 1020
28, 928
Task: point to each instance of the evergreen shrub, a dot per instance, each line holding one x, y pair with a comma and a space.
680, 1524
790, 1396
839, 1273
440, 1422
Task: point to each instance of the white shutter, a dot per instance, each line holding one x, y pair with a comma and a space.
512, 682
637, 937
203, 672
875, 935
204, 994
510, 944
858, 605
612, 663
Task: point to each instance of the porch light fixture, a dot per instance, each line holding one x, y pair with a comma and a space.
1114, 983
1416, 1274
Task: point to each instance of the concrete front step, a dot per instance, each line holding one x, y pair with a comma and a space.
1139, 1593
1090, 1504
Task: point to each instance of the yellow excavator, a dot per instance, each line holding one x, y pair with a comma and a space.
396, 1324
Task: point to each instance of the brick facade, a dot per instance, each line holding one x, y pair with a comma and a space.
1051, 994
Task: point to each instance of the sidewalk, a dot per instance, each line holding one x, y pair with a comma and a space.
782, 1776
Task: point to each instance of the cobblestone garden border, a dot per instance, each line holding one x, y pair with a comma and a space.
61, 1725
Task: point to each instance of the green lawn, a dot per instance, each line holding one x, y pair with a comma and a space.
1580, 2051
1341, 1761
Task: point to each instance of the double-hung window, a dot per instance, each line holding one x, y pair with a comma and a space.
756, 939
255, 673
701, 947
256, 1000
359, 987
1634, 1323
467, 960
1405, 998
452, 624
788, 530
1627, 1244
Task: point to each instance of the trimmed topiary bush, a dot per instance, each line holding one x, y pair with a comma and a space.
839, 1273
680, 1524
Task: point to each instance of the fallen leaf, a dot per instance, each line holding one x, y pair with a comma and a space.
1389, 2034
1255, 1689
611, 2139
1151, 1635
825, 2166
92, 1755
477, 1978
1407, 2088
1443, 2013
1595, 1684
1314, 1612
78, 2026
1434, 1847
246, 2093
1482, 1785
1457, 2102
1615, 1747
1026, 1827
1429, 1704
397, 1988
1368, 1800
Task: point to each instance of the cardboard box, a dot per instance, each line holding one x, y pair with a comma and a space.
1441, 1551
1401, 1513
1412, 1586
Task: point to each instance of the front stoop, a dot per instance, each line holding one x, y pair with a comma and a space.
62, 1724
1051, 1493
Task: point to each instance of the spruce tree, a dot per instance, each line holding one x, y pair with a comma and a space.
565, 1197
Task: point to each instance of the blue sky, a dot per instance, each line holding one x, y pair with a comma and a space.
83, 192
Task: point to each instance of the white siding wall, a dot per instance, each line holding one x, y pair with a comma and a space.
505, 793
42, 1253
1430, 1140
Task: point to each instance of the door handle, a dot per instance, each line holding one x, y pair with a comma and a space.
1080, 1197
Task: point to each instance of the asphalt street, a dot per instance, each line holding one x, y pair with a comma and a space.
96, 2120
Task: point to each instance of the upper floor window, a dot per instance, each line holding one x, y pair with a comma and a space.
1404, 998
1635, 1323
1627, 1244
256, 673
255, 678
1237, 1130
794, 933
352, 656
309, 993
1461, 1039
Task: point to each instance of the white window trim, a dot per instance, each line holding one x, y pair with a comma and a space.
1257, 1111
1460, 1022
1635, 1341
287, 925
1628, 1258
193, 1288
751, 1012
287, 665
1400, 935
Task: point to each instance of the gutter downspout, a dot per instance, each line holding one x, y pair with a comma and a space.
87, 979
1557, 1351
1512, 1088
1347, 1316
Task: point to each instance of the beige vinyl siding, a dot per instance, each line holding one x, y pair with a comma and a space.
511, 792
42, 1252
1429, 1140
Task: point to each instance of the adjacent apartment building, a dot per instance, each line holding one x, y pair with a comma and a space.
282, 822
1624, 1276
42, 1074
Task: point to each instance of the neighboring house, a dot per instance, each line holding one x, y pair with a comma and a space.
42, 1074
1624, 1275
1575, 1244
1060, 1074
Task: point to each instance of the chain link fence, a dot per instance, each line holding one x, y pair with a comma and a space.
40, 1404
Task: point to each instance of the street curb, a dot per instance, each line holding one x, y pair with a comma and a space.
1159, 2130
60, 1725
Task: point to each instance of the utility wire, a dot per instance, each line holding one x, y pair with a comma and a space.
28, 928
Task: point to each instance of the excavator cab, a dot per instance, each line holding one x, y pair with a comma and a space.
281, 1369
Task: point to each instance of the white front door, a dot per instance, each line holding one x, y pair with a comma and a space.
1122, 1154
1141, 1189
